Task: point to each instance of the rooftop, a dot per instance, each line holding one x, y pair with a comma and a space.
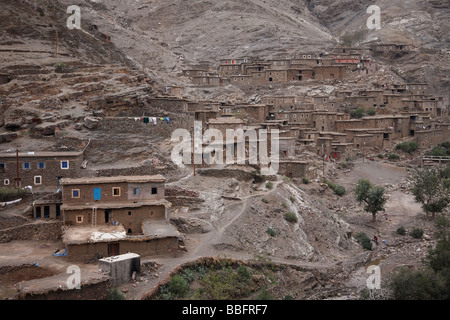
116, 179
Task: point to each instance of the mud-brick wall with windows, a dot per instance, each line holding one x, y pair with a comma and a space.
39, 171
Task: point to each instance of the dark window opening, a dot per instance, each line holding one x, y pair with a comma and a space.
129, 213
129, 231
46, 212
58, 210
38, 212
107, 213
154, 190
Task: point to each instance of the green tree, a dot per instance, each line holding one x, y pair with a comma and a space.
433, 281
373, 197
430, 190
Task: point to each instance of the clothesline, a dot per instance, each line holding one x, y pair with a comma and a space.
153, 120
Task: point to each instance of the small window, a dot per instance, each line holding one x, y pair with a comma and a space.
79, 219
41, 165
2, 166
38, 180
6, 182
129, 213
75, 193
116, 191
136, 191
64, 164
154, 190
26, 165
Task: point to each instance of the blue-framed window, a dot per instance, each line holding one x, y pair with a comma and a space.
41, 165
75, 193
136, 191
64, 164
26, 165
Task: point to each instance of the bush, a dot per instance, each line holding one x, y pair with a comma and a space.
364, 240
409, 147
305, 180
114, 294
178, 286
358, 113
381, 156
60, 66
339, 190
291, 217
401, 230
371, 112
393, 156
271, 232
265, 200
416, 233
243, 273
269, 185
9, 194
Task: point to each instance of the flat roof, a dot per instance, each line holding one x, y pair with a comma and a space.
132, 179
41, 154
116, 205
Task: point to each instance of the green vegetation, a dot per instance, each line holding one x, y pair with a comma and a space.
380, 155
393, 156
409, 147
373, 197
269, 185
364, 240
401, 231
305, 180
272, 232
361, 112
291, 217
430, 188
60, 67
115, 294
10, 194
433, 281
265, 200
339, 190
416, 233
441, 150
284, 205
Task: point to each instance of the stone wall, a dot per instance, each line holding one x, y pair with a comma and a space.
42, 230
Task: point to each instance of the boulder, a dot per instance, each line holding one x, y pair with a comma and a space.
91, 122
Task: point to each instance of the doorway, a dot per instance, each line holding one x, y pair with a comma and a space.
113, 249
107, 216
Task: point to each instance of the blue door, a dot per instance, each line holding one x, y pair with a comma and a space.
97, 194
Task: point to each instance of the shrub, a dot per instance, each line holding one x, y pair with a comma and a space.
178, 286
292, 199
265, 200
60, 66
371, 112
284, 205
291, 217
381, 156
115, 294
393, 156
358, 113
305, 180
409, 147
9, 194
272, 232
269, 185
364, 240
416, 233
339, 190
401, 230
243, 273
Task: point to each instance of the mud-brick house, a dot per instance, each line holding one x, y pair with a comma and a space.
48, 207
41, 170
113, 215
